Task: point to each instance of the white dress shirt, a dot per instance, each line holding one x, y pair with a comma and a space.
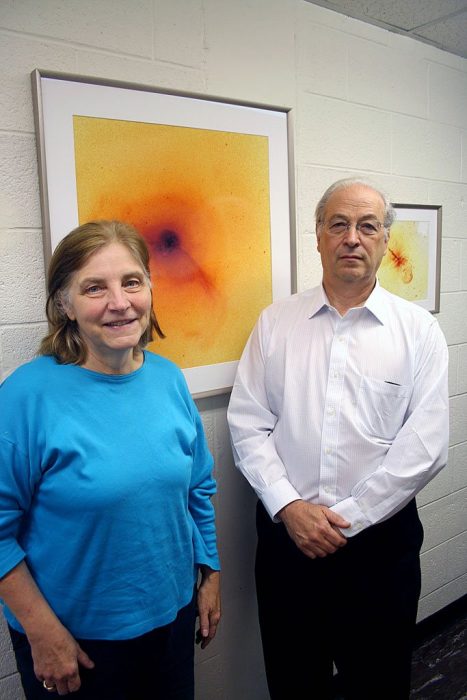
350, 412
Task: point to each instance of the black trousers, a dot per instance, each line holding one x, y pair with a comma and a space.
356, 608
158, 665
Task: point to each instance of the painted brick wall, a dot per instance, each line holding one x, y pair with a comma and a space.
364, 101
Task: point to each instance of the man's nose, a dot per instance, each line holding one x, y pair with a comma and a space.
352, 235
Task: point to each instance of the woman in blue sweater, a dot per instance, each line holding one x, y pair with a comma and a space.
107, 534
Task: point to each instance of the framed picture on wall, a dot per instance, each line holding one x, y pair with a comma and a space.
207, 182
411, 266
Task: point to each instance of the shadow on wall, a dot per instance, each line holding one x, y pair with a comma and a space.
233, 666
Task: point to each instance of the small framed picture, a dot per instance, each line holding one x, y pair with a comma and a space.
411, 265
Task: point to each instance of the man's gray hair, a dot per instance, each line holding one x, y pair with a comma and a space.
389, 211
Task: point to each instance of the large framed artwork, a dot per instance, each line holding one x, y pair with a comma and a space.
411, 265
207, 182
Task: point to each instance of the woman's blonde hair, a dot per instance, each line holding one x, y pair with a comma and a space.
63, 340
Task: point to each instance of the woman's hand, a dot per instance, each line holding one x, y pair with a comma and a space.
209, 605
57, 657
56, 654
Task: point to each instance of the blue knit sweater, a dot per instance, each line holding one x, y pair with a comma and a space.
105, 488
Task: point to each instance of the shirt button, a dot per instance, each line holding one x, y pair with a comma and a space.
330, 411
328, 450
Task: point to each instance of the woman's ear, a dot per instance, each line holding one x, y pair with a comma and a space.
65, 306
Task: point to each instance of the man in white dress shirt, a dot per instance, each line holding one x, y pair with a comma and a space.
339, 416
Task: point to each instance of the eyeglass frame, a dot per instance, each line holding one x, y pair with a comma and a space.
348, 225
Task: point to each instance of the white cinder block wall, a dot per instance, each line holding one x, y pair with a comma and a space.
364, 101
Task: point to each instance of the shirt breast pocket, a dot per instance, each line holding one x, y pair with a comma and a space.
381, 407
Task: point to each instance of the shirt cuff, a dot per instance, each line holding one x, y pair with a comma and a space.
349, 510
278, 495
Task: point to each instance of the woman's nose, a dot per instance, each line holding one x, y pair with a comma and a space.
118, 300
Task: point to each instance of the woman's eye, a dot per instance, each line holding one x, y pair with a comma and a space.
93, 289
132, 284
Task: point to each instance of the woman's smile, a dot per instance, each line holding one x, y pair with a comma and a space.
110, 300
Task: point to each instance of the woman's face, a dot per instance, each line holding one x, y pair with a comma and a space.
110, 300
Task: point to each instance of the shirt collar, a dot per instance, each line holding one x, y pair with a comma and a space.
375, 303
319, 301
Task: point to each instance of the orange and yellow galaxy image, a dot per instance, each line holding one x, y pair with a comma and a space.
200, 198
404, 268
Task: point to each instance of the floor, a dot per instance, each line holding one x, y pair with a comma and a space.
439, 667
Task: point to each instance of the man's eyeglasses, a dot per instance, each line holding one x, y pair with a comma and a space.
366, 228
